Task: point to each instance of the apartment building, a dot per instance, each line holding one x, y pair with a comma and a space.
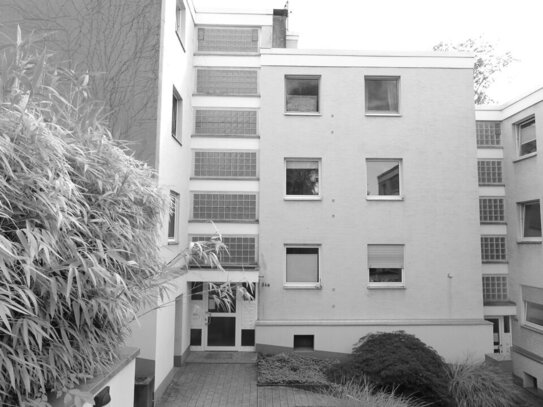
344, 184
508, 138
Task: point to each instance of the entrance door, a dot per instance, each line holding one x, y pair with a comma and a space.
495, 333
220, 321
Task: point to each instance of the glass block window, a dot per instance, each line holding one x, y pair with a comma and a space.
241, 250
227, 164
490, 172
224, 206
228, 39
491, 210
493, 248
488, 133
231, 82
226, 122
495, 288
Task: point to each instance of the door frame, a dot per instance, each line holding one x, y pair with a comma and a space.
209, 314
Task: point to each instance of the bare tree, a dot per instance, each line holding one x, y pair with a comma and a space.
116, 42
487, 63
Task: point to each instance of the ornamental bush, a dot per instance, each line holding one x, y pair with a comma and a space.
399, 362
78, 231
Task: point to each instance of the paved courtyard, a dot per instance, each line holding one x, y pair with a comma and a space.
228, 379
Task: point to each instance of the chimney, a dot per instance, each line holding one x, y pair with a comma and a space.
279, 36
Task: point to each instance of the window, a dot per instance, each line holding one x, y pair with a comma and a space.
488, 134
493, 249
490, 172
302, 178
228, 39
382, 94
491, 210
534, 313
177, 114
180, 21
173, 223
304, 342
494, 288
526, 137
247, 337
530, 220
383, 178
302, 94
242, 250
195, 337
236, 123
225, 164
385, 264
227, 82
196, 290
302, 266
224, 206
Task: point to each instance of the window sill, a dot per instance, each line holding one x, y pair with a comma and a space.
227, 135
223, 221
532, 327
494, 223
228, 54
533, 240
384, 198
303, 198
384, 114
495, 262
252, 95
386, 286
501, 184
490, 147
314, 114
172, 242
302, 286
224, 178
525, 157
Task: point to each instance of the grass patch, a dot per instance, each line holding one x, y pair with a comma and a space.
482, 385
292, 369
354, 394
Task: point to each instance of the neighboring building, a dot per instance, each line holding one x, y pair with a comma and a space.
344, 184
508, 139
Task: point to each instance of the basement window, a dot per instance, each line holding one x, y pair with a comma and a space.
304, 343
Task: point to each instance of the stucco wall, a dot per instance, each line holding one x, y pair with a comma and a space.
437, 221
523, 183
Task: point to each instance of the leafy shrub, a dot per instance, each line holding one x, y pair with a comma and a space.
396, 361
292, 369
78, 231
482, 385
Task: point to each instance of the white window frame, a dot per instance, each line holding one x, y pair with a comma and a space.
316, 197
384, 285
518, 137
303, 285
181, 22
174, 205
398, 197
382, 112
302, 113
178, 136
525, 314
522, 213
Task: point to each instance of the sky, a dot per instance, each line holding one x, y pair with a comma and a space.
417, 25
